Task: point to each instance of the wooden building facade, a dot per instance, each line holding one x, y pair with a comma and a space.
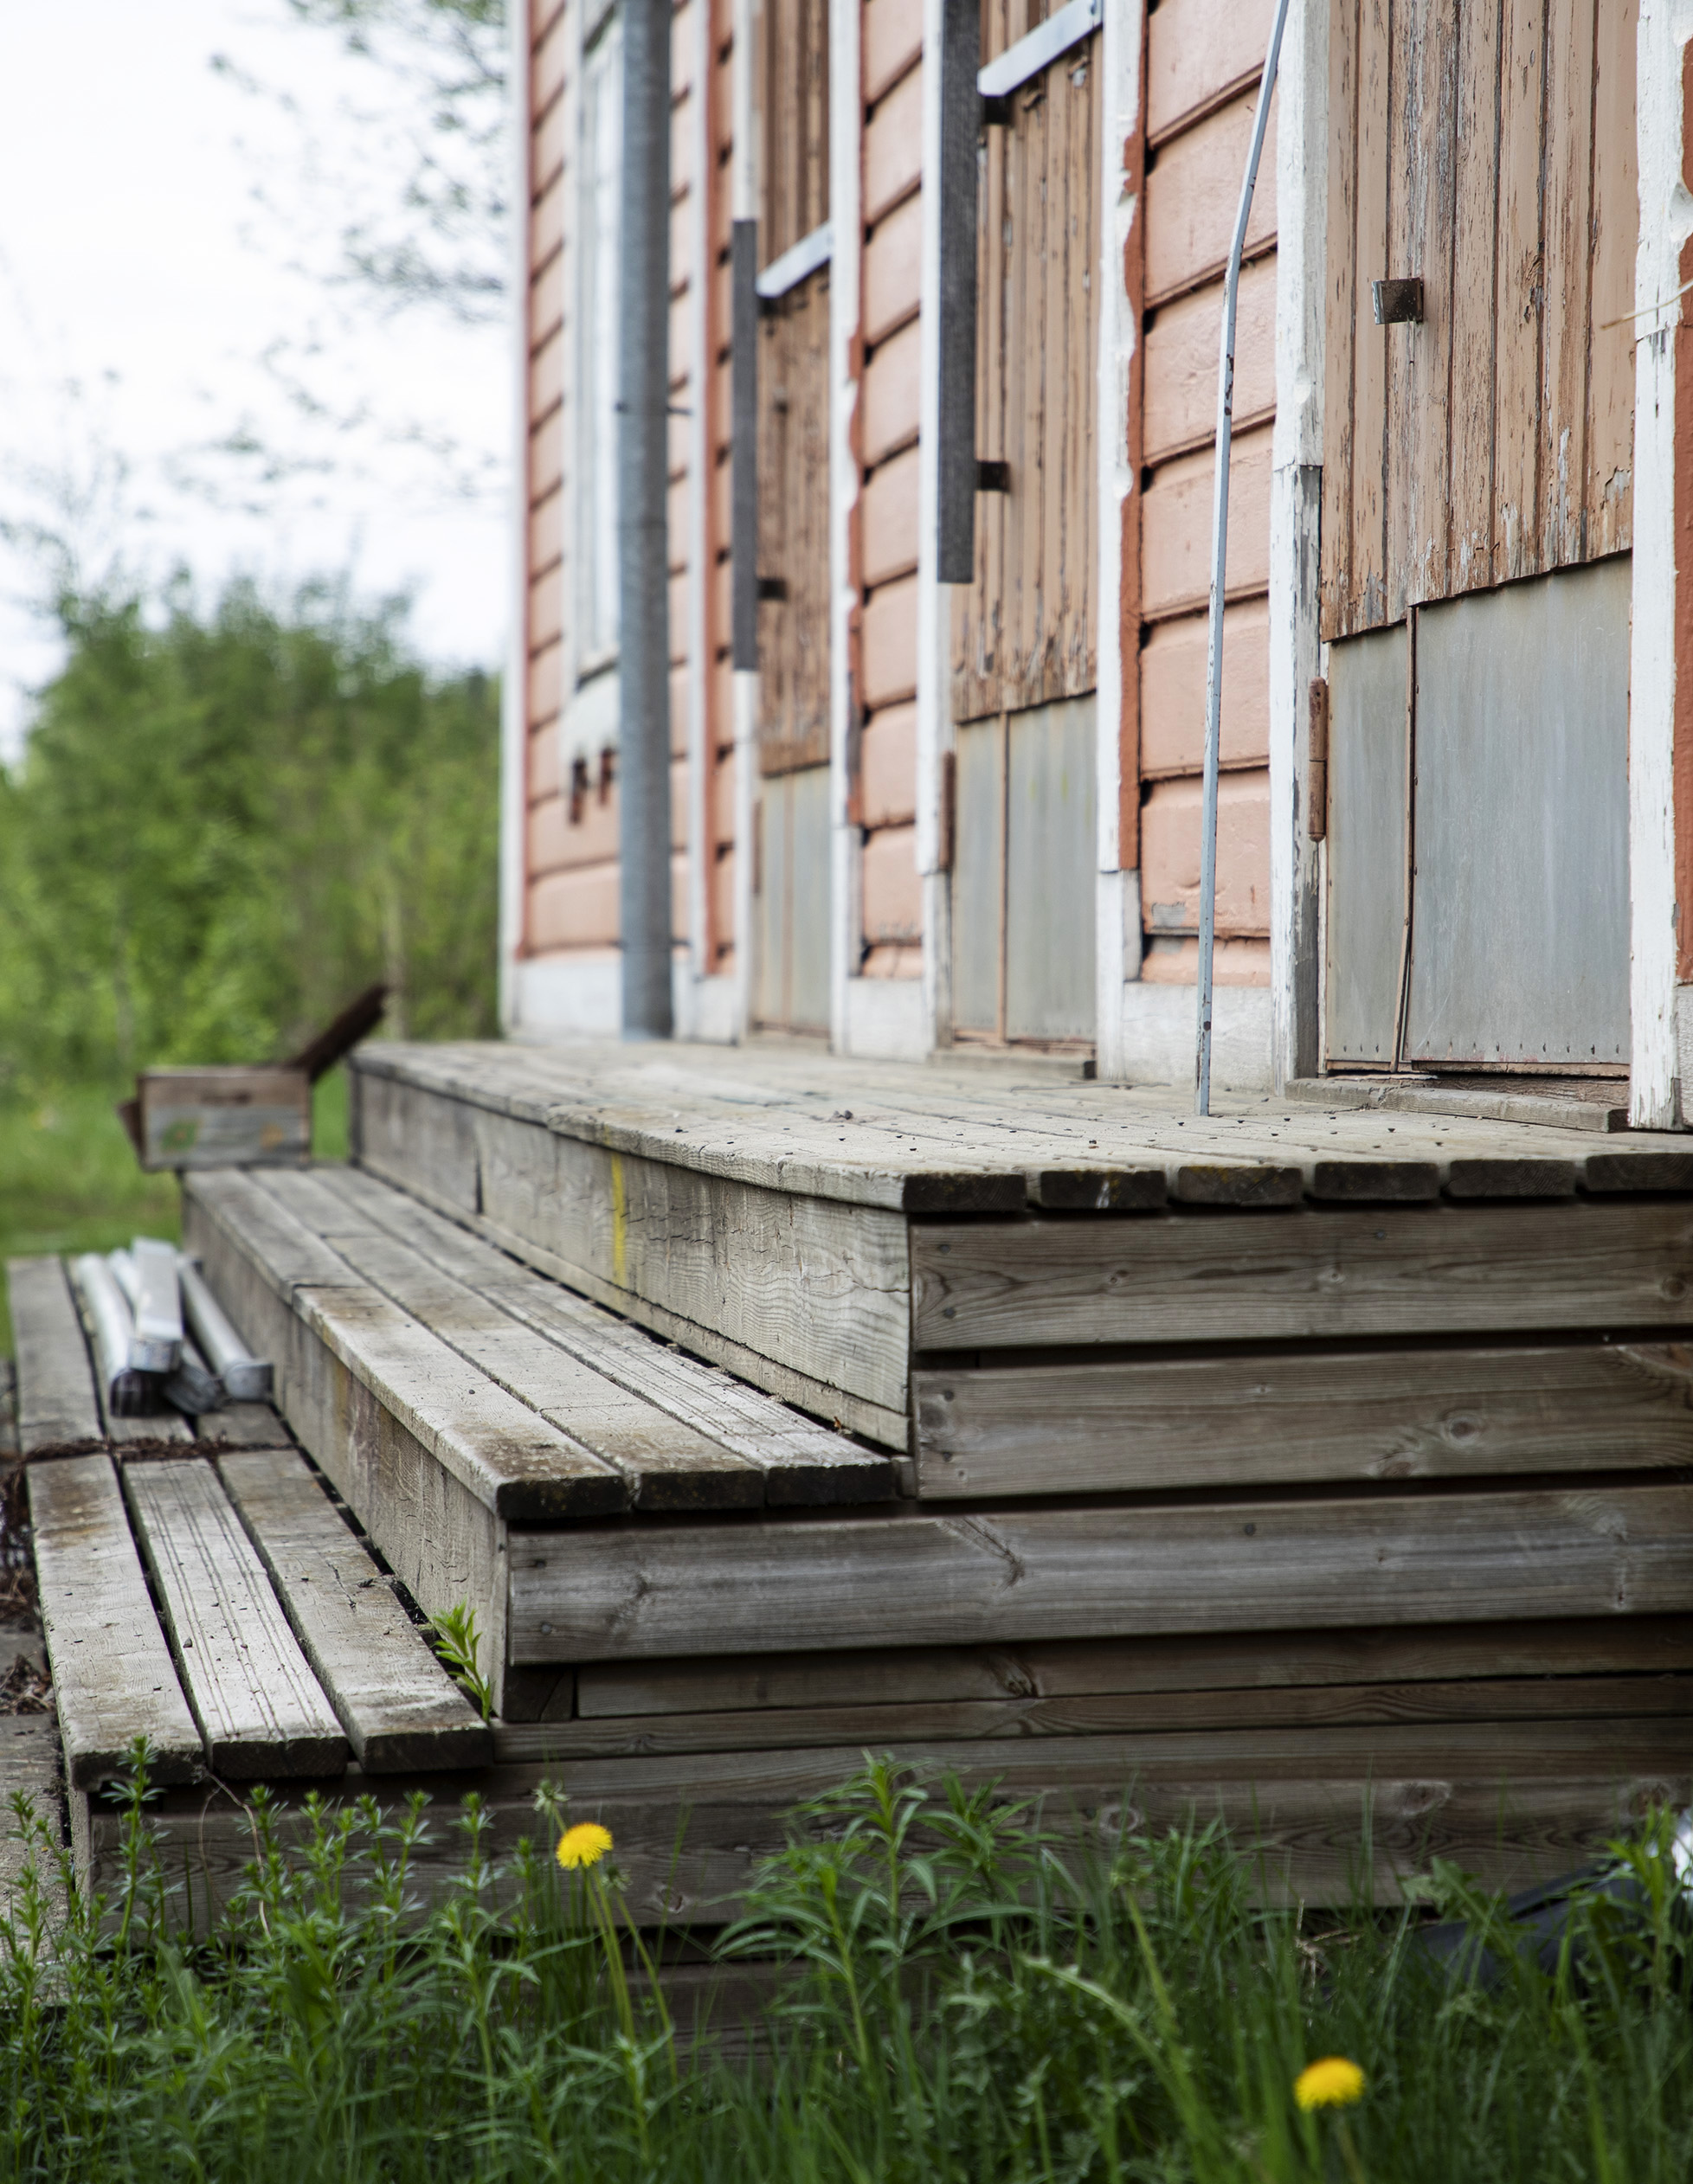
935, 793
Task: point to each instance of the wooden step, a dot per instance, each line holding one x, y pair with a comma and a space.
784, 1215
277, 1642
498, 1375
261, 1713
1329, 1808
400, 1709
927, 1141
58, 1410
113, 1678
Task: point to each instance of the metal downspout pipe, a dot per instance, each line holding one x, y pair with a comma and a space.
1213, 658
643, 374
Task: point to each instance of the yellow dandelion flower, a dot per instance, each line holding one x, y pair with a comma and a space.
1333, 2083
585, 1844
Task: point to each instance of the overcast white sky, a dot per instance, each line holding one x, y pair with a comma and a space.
140, 287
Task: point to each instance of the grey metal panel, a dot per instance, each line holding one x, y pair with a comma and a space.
1049, 872
1367, 846
1519, 948
775, 858
793, 904
808, 899
978, 866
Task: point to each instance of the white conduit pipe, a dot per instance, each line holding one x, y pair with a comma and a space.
1213, 657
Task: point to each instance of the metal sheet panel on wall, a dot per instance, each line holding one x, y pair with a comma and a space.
978, 863
1520, 942
1368, 778
793, 906
1049, 864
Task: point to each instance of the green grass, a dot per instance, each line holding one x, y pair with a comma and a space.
969, 1996
69, 1180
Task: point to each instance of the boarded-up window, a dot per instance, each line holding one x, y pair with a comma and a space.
794, 394
1487, 149
596, 322
1025, 632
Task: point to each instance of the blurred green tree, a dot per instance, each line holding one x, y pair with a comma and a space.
224, 824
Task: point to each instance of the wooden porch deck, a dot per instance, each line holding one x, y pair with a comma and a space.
1330, 1471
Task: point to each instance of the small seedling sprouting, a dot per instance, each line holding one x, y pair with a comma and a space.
456, 1638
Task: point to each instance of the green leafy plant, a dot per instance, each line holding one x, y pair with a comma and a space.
457, 1641
930, 1983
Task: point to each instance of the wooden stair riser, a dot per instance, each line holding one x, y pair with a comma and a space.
999, 1577
1331, 1812
1287, 1416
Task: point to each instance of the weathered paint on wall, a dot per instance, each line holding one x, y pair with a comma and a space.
883, 794
1204, 58
570, 828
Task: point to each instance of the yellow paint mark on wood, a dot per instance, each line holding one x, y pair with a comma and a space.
619, 1224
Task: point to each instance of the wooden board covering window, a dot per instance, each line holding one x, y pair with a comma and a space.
1025, 632
794, 528
1487, 147
793, 63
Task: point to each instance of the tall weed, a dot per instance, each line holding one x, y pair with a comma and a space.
961, 1988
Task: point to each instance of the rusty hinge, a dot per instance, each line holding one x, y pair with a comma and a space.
949, 810
1317, 769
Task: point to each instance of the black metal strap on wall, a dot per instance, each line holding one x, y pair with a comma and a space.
961, 127
743, 470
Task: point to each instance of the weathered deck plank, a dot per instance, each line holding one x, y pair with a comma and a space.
887, 1135
1083, 1570
445, 1544
58, 1410
1300, 1417
114, 1678
30, 1763
399, 1708
260, 1708
664, 1465
501, 1450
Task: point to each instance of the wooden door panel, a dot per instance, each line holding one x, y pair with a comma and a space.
1025, 630
794, 528
1485, 147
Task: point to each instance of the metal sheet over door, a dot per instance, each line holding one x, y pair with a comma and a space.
794, 901
1369, 772
1515, 721
1519, 949
1025, 642
792, 869
1023, 875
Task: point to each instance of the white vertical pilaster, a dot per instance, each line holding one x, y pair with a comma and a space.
847, 226
514, 688
934, 709
1666, 223
1296, 507
1121, 206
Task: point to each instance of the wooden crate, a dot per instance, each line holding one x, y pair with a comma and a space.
221, 1118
